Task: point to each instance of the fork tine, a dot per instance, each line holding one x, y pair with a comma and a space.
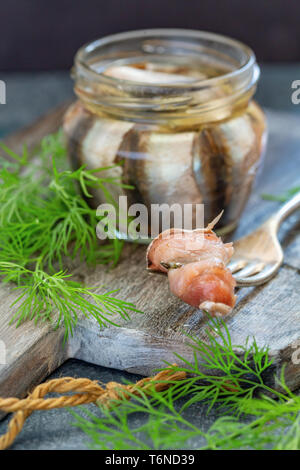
252, 268
237, 265
263, 276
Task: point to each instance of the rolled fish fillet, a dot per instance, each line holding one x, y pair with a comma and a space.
124, 72
204, 285
195, 261
152, 76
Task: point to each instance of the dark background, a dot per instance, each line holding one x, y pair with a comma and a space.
44, 35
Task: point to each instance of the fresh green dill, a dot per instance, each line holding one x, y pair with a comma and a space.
45, 219
222, 371
43, 293
46, 210
282, 197
168, 420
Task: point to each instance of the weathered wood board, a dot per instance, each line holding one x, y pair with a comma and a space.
271, 313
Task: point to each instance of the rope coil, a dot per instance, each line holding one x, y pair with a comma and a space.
85, 391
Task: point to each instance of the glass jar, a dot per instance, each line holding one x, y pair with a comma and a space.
175, 107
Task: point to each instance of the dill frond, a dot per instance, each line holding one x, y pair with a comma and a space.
170, 419
43, 294
44, 220
221, 371
281, 197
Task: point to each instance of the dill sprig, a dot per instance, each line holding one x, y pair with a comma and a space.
46, 210
43, 293
168, 420
281, 197
222, 371
43, 220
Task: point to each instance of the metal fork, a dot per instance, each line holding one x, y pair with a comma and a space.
258, 256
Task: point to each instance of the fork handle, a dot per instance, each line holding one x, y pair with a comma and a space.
287, 209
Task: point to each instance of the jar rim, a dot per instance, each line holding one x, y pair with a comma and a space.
131, 95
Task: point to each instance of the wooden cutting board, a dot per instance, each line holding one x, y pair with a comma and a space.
271, 313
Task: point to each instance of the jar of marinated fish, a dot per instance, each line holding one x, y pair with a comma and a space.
175, 108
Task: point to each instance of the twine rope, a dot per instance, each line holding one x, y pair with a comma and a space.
84, 391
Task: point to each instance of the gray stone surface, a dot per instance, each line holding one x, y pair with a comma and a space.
28, 97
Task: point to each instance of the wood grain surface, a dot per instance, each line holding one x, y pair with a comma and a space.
271, 312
